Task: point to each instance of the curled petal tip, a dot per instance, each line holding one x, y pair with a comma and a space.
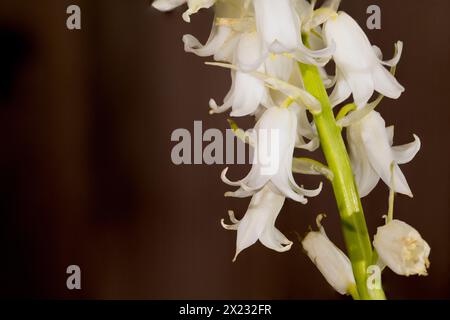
319, 189
287, 247
232, 217
416, 138
232, 227
223, 175
212, 104
187, 16
224, 225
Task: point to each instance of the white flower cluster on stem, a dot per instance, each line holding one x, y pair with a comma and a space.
261, 43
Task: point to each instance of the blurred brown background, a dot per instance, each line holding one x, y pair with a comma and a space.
86, 176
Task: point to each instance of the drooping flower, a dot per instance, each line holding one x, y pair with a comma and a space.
275, 135
402, 249
372, 153
359, 71
329, 259
279, 25
247, 92
259, 222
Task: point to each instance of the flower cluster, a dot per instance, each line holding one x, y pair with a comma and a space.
262, 43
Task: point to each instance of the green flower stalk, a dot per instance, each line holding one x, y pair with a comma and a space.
354, 226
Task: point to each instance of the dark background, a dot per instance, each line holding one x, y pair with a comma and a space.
86, 176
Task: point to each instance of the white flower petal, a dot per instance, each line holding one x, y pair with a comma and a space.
227, 51
216, 40
398, 54
401, 185
278, 24
359, 114
341, 91
362, 87
249, 92
328, 81
390, 134
405, 153
311, 146
167, 5
279, 66
285, 188
227, 101
304, 9
273, 239
194, 6
246, 94
385, 83
239, 193
366, 177
250, 52
377, 52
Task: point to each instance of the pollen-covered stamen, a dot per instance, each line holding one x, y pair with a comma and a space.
412, 255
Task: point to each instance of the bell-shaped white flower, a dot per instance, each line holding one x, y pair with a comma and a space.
274, 138
329, 259
372, 153
358, 69
259, 222
279, 25
402, 249
244, 97
193, 6
247, 92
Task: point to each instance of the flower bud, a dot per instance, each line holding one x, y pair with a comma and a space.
330, 260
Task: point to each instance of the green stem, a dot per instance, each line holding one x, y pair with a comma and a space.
354, 226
